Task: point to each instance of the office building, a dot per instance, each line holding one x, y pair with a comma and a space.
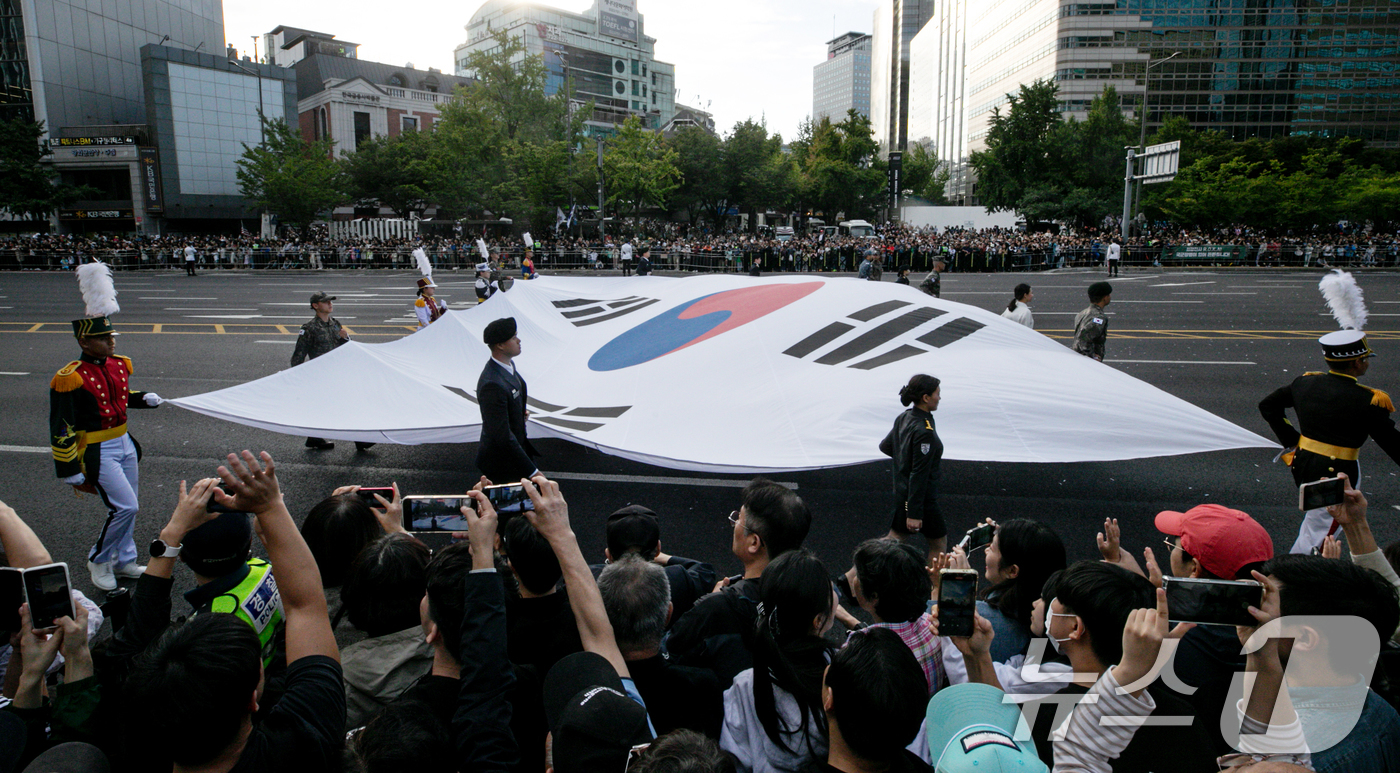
1241, 67
349, 99
285, 46
604, 52
78, 62
842, 82
896, 23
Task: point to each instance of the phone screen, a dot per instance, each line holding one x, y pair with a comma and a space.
47, 591
367, 493
980, 536
957, 602
1212, 602
509, 498
11, 596
1321, 493
435, 513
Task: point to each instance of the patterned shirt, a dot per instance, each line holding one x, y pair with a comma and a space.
1090, 332
927, 648
316, 339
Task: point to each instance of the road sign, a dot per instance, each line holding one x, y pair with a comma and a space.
1160, 162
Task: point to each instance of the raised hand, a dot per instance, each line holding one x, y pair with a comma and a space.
1108, 540
253, 483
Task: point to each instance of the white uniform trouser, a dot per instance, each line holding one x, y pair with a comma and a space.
117, 483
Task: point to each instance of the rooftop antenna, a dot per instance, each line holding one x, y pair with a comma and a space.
162, 40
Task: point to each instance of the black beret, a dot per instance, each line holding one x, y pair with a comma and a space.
499, 332
1099, 290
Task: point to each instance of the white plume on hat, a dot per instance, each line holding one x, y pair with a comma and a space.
1344, 299
481, 246
99, 292
424, 265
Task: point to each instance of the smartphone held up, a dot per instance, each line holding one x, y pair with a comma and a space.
957, 602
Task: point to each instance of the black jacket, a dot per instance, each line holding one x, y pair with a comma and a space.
1334, 409
918, 453
717, 633
504, 453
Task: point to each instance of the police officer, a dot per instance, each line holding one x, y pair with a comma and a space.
1335, 415
504, 454
1091, 324
317, 337
92, 450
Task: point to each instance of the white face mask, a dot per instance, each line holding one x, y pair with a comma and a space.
1049, 618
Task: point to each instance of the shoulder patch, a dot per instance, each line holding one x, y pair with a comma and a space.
420, 303
67, 379
127, 362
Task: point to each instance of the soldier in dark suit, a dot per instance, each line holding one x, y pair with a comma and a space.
504, 453
1335, 416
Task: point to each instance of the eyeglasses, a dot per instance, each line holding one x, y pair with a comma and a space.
737, 520
634, 754
1170, 543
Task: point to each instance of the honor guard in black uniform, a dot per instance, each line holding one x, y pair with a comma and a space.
504, 454
1335, 414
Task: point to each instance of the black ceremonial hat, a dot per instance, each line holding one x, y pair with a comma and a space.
499, 331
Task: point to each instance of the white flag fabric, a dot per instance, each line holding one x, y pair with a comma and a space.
725, 373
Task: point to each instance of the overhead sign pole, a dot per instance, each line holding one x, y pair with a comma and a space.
1159, 165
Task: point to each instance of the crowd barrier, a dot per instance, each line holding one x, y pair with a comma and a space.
844, 259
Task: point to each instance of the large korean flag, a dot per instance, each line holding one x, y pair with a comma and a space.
728, 373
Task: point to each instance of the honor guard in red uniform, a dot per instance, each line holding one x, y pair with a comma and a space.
92, 450
427, 308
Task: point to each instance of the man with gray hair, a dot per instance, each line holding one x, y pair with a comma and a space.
637, 596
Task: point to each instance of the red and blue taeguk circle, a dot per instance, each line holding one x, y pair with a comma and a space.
695, 321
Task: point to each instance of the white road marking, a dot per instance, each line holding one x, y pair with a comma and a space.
1184, 362
25, 449
183, 298
203, 308
1159, 301
349, 303
1215, 293
12, 373
246, 316
276, 342
1182, 284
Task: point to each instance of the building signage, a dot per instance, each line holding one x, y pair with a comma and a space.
151, 192
1206, 252
95, 153
95, 214
358, 97
78, 142
548, 32
895, 169
618, 19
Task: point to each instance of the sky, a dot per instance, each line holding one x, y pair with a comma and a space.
742, 58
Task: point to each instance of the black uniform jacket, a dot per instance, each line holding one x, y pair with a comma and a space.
504, 453
1335, 410
918, 453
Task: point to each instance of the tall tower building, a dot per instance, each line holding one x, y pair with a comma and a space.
896, 23
842, 82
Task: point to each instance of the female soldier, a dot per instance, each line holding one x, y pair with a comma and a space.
917, 452
1019, 309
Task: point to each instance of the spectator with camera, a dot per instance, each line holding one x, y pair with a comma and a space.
636, 529
637, 597
717, 633
1021, 555
198, 684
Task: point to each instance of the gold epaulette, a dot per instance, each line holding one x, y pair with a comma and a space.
68, 379
127, 362
420, 303
1381, 399
1314, 373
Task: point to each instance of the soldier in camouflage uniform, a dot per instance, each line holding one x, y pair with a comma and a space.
1091, 324
318, 337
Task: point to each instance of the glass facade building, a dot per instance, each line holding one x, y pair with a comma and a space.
78, 63
611, 64
896, 23
842, 82
1248, 68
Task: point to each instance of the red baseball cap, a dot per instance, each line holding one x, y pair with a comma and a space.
1223, 540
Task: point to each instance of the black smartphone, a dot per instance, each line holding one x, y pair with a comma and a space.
1321, 493
424, 513
11, 596
367, 493
508, 498
215, 507
1212, 602
49, 594
957, 602
978, 537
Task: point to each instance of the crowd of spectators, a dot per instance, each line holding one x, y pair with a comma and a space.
505, 650
700, 249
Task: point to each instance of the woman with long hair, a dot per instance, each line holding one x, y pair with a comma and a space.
1019, 309
1022, 555
773, 718
918, 454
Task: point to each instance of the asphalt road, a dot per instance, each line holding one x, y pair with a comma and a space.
1219, 340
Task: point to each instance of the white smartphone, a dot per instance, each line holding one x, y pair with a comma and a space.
48, 593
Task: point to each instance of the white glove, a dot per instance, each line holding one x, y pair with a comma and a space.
75, 480
152, 399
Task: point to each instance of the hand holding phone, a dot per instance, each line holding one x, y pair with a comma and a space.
978, 536
435, 513
48, 594
1213, 602
957, 602
1322, 493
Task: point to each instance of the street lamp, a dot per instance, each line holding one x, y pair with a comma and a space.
1142, 126
262, 132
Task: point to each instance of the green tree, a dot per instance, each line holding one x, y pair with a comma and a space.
396, 172
295, 179
923, 174
28, 190
1023, 150
639, 168
749, 165
700, 161
841, 173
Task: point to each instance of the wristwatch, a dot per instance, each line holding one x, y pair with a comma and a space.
159, 549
